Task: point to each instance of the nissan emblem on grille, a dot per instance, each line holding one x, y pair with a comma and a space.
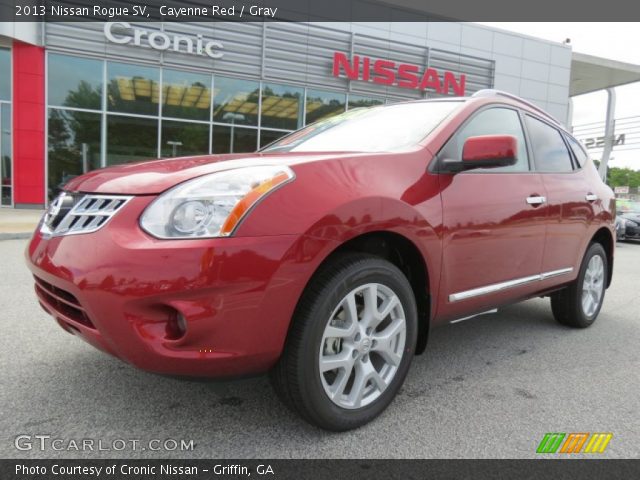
66, 216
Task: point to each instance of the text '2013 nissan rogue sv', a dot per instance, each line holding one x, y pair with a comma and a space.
326, 257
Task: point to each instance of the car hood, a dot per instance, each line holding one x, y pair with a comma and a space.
152, 177
633, 216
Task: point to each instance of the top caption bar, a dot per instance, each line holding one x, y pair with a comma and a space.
318, 11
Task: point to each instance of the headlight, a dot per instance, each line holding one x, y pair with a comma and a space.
212, 205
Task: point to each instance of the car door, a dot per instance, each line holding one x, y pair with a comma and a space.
493, 222
568, 198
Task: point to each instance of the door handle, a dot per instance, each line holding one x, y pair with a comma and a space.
591, 197
536, 200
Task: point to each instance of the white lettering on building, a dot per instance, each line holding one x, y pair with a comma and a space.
123, 33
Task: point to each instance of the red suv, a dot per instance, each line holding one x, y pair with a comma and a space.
326, 257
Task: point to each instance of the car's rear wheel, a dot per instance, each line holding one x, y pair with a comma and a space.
578, 304
351, 343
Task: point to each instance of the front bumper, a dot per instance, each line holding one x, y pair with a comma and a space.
122, 291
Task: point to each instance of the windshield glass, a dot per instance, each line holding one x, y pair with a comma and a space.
627, 206
390, 128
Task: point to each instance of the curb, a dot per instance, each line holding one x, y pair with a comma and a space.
15, 236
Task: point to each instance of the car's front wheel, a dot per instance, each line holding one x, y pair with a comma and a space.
578, 304
351, 343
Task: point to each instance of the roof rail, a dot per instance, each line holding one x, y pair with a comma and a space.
490, 92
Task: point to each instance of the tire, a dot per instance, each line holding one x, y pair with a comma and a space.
322, 327
567, 304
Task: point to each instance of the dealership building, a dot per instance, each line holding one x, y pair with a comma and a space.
84, 95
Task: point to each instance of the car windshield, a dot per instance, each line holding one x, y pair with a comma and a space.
627, 206
389, 128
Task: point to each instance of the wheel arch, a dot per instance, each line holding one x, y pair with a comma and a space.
404, 254
604, 237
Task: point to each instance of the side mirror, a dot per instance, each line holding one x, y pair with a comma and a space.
486, 151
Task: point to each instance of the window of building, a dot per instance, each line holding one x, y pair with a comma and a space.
494, 121
281, 106
269, 136
186, 95
181, 139
322, 105
5, 74
549, 150
6, 170
578, 151
133, 89
232, 139
358, 101
235, 101
131, 139
74, 82
74, 146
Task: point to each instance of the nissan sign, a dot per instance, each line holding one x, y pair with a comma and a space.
124, 34
404, 75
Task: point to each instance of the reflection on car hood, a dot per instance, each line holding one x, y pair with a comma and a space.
633, 216
152, 177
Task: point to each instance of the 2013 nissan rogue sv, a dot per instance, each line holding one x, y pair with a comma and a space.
326, 257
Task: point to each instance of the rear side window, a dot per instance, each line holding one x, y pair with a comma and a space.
493, 121
578, 152
549, 150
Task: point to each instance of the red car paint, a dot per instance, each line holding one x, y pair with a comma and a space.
238, 294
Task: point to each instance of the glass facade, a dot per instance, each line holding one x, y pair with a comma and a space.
74, 82
131, 139
5, 155
357, 101
6, 165
73, 146
322, 105
186, 95
282, 106
236, 101
233, 139
103, 113
5, 74
133, 89
180, 139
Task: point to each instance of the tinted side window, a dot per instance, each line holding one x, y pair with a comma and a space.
549, 150
581, 157
494, 121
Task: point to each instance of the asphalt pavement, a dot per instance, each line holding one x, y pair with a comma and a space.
489, 387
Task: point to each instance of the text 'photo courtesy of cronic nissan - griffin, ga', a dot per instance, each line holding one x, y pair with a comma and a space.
326, 257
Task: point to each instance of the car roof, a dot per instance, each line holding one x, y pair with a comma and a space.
486, 95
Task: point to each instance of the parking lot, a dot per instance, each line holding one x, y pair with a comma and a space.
490, 387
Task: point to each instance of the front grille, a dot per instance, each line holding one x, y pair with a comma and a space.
74, 214
63, 303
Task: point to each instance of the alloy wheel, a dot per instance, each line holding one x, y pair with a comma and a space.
593, 285
362, 346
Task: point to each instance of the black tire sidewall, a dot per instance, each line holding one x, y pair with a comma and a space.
324, 410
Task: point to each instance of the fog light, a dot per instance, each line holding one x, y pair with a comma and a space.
182, 324
176, 326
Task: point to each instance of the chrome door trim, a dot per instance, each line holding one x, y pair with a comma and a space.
496, 287
494, 310
555, 273
536, 200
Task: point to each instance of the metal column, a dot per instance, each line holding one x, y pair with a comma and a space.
609, 132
